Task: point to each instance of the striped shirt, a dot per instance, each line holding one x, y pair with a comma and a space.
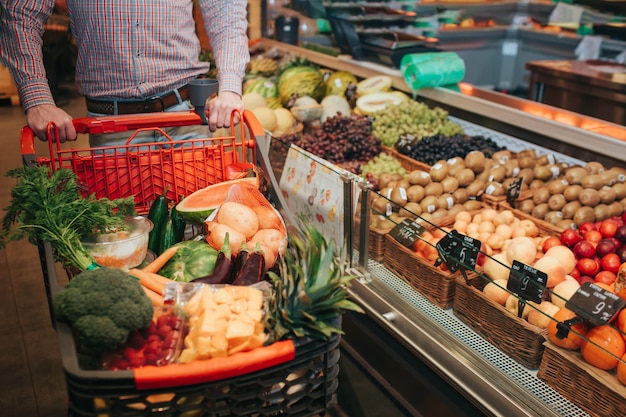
126, 49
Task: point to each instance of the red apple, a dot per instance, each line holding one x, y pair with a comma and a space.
620, 233
570, 237
622, 253
588, 266
584, 249
604, 247
586, 226
611, 262
575, 273
585, 278
608, 227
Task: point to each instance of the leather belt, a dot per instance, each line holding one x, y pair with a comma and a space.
148, 105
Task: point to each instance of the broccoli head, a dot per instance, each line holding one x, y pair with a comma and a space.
102, 306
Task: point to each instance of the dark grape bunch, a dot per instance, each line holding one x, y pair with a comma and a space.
431, 149
340, 140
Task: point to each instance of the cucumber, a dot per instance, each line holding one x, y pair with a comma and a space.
158, 215
178, 224
167, 237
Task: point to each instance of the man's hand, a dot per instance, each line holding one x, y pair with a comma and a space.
38, 117
221, 107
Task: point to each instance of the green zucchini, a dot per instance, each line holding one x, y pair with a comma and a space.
167, 237
179, 225
158, 215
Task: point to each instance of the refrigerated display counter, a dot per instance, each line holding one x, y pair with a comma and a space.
421, 354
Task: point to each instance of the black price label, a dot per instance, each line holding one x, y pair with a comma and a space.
595, 304
458, 251
407, 232
527, 282
514, 190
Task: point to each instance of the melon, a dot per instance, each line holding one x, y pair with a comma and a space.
253, 100
263, 86
375, 84
374, 102
266, 117
199, 205
285, 122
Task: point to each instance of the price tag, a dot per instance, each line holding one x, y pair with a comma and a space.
514, 190
527, 282
407, 232
595, 304
458, 251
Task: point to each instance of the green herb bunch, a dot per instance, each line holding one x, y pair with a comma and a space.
49, 206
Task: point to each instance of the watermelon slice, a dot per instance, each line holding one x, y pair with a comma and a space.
199, 205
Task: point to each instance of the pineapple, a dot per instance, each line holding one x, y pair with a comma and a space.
309, 294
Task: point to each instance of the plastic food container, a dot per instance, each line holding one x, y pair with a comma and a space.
124, 249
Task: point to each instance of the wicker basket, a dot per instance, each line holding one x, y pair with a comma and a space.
375, 242
435, 284
516, 337
408, 163
596, 391
500, 202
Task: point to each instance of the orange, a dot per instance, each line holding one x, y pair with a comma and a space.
621, 322
621, 370
574, 337
602, 347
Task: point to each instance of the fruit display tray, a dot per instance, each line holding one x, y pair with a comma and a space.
434, 283
515, 336
594, 390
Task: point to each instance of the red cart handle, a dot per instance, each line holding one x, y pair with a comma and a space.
124, 123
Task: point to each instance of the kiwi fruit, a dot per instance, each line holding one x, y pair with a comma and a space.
439, 170
536, 184
415, 193
475, 160
410, 210
607, 195
383, 180
452, 211
429, 204
592, 181
526, 205
556, 202
569, 209
434, 188
476, 188
526, 162
557, 186
512, 168
381, 205
621, 173
553, 217
417, 177
484, 174
449, 184
445, 201
615, 209
546, 159
398, 196
494, 189
542, 172
460, 195
540, 211
439, 214
594, 167
497, 173
527, 174
609, 177
566, 224
472, 205
583, 215
501, 157
589, 197
541, 195
465, 177
404, 183
575, 174
527, 153
571, 192
620, 190
601, 211
455, 165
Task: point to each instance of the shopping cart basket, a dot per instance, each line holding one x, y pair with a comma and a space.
304, 385
145, 170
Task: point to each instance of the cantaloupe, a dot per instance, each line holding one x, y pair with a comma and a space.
199, 205
266, 117
253, 100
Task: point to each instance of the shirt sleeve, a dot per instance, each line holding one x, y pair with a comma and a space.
226, 25
21, 41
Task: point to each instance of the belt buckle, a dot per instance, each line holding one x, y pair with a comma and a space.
150, 101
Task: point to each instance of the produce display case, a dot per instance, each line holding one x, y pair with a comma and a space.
402, 320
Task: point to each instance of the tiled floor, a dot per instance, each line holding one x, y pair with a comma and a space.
31, 375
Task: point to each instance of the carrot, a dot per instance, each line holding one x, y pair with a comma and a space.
150, 280
160, 261
157, 299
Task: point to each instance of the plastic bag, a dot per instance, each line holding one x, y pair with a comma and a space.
250, 220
